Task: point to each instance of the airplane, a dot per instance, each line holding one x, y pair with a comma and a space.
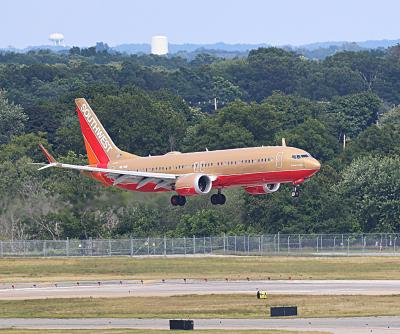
258, 170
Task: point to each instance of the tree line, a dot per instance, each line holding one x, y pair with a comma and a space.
343, 110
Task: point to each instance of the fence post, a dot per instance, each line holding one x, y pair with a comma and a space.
364, 241
279, 241
288, 244
394, 244
235, 244
194, 244
165, 245
262, 244
44, 248
184, 244
211, 245
300, 243
204, 245
317, 243
224, 244
67, 246
348, 246
109, 247
131, 244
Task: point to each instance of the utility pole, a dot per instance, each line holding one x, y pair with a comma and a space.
344, 141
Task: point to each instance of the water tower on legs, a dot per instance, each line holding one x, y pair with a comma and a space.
57, 39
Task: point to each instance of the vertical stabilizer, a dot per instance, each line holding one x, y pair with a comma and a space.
99, 146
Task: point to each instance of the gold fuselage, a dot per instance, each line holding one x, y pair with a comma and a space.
223, 162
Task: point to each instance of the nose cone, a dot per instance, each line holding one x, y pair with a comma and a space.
313, 164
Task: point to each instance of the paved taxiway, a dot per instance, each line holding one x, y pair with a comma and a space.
384, 325
179, 287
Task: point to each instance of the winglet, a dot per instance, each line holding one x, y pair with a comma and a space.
49, 157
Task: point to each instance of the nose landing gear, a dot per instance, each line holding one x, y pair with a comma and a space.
178, 200
296, 192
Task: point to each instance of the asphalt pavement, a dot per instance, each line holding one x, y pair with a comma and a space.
361, 325
180, 287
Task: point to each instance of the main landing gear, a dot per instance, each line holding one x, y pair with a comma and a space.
296, 192
218, 198
178, 200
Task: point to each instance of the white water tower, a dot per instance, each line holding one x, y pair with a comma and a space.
159, 45
56, 38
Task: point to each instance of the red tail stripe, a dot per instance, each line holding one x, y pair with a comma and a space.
92, 140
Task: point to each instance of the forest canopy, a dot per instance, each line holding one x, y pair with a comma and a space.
153, 104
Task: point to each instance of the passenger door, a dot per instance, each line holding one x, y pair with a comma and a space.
279, 160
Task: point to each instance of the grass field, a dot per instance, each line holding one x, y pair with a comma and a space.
142, 331
59, 269
200, 306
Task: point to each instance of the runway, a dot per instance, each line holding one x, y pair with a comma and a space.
179, 287
376, 325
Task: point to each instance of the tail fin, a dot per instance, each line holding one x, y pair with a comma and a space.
99, 146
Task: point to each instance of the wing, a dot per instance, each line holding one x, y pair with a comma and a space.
162, 180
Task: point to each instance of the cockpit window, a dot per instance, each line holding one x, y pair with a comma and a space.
300, 156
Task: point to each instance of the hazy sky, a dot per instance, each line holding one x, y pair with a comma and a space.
85, 22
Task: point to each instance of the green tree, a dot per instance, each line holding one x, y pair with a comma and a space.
370, 187
203, 223
12, 119
314, 137
138, 221
352, 114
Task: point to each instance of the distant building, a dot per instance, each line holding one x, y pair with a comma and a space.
159, 45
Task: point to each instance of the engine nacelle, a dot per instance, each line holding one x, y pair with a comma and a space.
193, 184
263, 189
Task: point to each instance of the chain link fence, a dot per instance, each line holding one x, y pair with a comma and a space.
261, 245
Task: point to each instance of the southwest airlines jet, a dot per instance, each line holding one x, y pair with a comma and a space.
258, 170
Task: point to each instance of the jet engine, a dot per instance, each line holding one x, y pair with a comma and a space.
263, 189
193, 184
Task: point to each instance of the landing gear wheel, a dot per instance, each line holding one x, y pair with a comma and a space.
178, 200
295, 192
181, 200
174, 200
218, 199
214, 199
